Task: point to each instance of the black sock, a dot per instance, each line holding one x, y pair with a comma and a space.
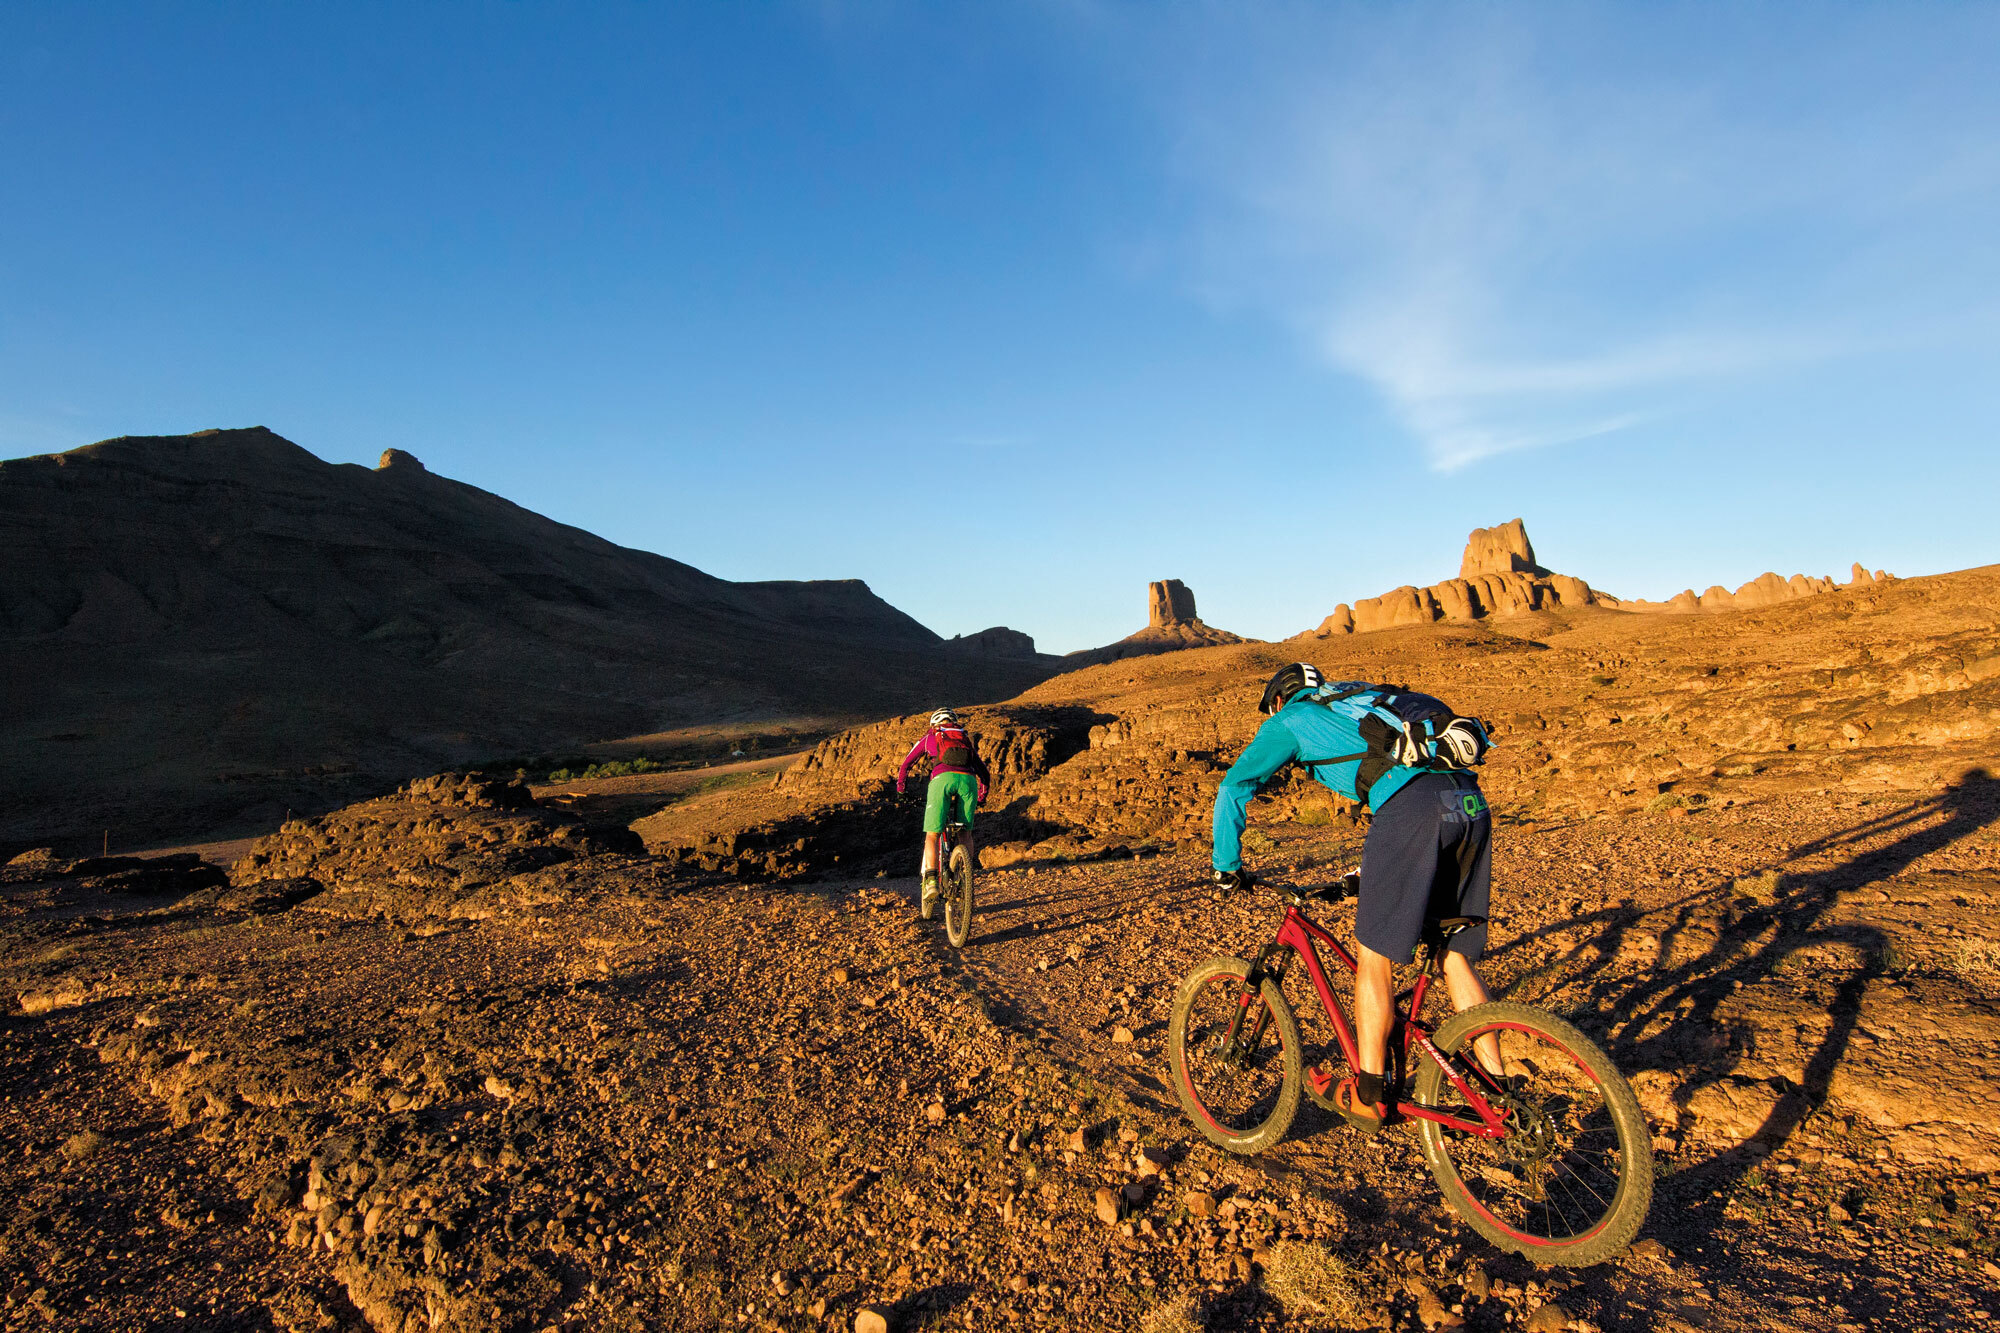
1368, 1089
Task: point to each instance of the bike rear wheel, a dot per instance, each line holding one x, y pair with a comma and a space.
1239, 1085
1571, 1181
957, 892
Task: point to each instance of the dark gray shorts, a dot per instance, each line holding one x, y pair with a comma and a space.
1429, 855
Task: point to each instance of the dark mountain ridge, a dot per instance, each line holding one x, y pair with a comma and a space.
190, 623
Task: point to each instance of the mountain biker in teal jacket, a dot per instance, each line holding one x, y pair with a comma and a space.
1428, 855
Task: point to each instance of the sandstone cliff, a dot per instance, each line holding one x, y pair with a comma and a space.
1171, 624
1766, 589
1169, 602
1499, 550
1499, 576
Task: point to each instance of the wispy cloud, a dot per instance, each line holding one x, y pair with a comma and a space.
1532, 227
1464, 407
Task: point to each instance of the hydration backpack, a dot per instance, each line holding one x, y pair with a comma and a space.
955, 753
1400, 727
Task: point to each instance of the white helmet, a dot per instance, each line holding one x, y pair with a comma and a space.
944, 717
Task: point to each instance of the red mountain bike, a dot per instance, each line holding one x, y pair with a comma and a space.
1550, 1158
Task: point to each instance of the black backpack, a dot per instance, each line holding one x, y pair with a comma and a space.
1400, 727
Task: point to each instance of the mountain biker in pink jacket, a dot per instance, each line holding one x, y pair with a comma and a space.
959, 778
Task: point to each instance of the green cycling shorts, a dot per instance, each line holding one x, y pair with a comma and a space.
948, 790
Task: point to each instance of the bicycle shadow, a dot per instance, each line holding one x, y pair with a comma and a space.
1755, 940
1101, 909
928, 1303
1673, 1018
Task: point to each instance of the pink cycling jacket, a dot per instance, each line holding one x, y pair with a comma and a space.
931, 744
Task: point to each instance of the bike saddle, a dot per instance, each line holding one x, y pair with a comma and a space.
1437, 937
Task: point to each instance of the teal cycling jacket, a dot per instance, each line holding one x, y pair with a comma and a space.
1299, 730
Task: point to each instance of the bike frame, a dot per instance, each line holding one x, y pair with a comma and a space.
1300, 935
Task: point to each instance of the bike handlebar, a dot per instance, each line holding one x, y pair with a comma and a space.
1347, 886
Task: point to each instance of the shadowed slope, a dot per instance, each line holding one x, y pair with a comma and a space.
192, 624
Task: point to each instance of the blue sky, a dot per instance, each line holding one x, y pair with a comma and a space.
1008, 309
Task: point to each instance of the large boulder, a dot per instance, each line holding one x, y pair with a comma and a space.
1340, 622
1403, 606
1457, 599
1570, 591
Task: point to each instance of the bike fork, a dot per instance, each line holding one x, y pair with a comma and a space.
1235, 1045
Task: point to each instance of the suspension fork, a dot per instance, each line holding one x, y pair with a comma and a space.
1271, 962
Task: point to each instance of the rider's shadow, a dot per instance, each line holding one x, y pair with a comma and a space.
1670, 1019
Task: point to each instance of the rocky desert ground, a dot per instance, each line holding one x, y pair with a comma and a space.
476, 1055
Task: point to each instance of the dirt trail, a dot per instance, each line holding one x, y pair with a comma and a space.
595, 1094
635, 796
1797, 1150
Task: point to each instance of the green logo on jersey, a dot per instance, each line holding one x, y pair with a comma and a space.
1473, 804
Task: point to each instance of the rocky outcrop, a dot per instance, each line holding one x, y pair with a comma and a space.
998, 641
444, 846
1498, 576
1171, 624
1019, 745
848, 784
1767, 589
1169, 602
175, 874
1504, 549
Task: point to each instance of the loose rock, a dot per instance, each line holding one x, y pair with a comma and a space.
1549, 1318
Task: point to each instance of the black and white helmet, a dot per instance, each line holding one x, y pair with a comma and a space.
1290, 680
944, 717
1463, 743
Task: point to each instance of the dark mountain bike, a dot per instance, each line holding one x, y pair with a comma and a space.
955, 883
1550, 1157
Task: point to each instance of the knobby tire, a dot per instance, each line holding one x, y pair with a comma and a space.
1245, 1107
1572, 1182
957, 894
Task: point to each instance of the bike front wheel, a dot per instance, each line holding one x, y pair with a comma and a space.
1572, 1178
957, 890
1234, 1054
